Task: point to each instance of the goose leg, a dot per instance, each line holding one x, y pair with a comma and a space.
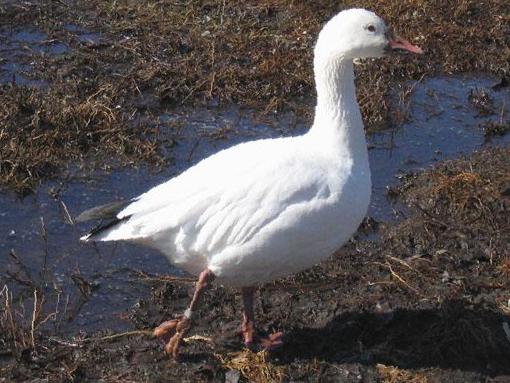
173, 331
248, 326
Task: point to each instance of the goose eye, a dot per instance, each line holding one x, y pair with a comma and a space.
371, 28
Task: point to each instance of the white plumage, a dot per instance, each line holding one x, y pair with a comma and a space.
249, 217
265, 209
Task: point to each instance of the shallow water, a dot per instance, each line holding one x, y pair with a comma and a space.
17, 46
442, 124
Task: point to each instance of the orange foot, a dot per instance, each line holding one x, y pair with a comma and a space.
171, 333
272, 342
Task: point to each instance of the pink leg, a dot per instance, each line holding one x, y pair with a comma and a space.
173, 331
248, 326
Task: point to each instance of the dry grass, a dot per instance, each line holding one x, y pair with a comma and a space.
460, 220
468, 191
254, 367
42, 129
104, 96
458, 188
22, 318
33, 304
390, 374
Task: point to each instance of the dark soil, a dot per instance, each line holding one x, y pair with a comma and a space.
426, 302
120, 63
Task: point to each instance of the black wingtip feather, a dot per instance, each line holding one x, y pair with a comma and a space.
104, 226
107, 214
107, 211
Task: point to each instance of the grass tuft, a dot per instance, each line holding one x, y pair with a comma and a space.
254, 367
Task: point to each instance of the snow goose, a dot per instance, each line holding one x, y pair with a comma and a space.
265, 209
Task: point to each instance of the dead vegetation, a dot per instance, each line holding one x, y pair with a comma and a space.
254, 367
390, 374
148, 56
426, 302
467, 200
34, 305
42, 129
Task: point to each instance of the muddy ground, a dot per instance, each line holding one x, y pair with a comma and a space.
427, 301
424, 299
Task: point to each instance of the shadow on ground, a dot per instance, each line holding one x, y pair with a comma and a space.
456, 336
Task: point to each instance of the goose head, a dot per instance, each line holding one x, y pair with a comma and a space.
358, 33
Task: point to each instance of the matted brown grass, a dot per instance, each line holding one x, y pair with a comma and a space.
103, 96
254, 367
390, 374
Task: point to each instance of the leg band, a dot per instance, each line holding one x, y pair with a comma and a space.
188, 313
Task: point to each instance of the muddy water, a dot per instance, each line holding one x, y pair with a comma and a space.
17, 46
442, 123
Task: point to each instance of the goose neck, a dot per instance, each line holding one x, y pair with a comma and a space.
337, 116
336, 93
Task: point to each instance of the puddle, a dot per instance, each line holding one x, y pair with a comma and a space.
82, 34
16, 49
18, 46
444, 124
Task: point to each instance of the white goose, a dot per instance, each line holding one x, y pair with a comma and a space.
265, 209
